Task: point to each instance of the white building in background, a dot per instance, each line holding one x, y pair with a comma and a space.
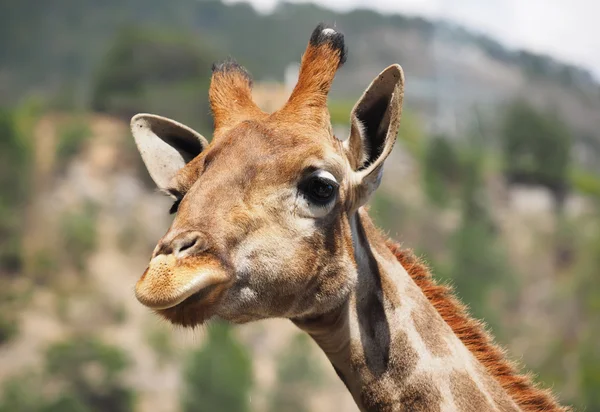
290, 77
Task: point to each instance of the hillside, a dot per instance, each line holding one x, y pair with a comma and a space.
87, 237
93, 296
54, 48
502, 201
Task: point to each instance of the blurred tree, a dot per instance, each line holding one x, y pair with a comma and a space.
588, 301
15, 162
81, 375
441, 169
155, 71
298, 374
536, 149
388, 212
159, 339
22, 393
218, 377
411, 133
79, 234
339, 112
71, 138
91, 374
15, 167
586, 183
478, 264
48, 45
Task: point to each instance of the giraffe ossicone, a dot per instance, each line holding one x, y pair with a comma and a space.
270, 223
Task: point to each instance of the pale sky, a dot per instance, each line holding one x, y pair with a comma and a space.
567, 30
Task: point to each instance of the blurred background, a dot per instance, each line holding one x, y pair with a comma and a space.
495, 182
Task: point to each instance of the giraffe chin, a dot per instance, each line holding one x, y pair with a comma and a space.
184, 291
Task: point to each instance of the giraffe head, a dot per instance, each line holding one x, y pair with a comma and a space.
262, 212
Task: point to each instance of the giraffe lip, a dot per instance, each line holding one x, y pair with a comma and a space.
162, 288
194, 291
196, 308
197, 297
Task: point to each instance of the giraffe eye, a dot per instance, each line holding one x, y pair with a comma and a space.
175, 206
320, 188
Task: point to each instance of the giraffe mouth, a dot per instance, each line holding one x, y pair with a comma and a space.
198, 296
185, 292
195, 309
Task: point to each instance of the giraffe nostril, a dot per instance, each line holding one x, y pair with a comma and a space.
188, 244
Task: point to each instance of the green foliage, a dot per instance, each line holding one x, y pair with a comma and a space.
21, 393
588, 297
8, 327
586, 183
145, 68
13, 297
218, 377
71, 139
441, 169
15, 161
41, 53
66, 403
536, 148
476, 268
298, 374
15, 155
159, 340
79, 233
411, 133
589, 373
577, 340
387, 212
91, 374
339, 111
477, 260
66, 360
81, 375
43, 264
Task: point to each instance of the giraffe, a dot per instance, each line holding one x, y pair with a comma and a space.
271, 221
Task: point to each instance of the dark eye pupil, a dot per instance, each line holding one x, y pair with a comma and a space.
174, 207
321, 189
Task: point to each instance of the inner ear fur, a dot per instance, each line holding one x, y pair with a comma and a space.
375, 120
165, 145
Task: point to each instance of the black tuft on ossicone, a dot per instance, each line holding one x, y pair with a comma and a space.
327, 34
230, 65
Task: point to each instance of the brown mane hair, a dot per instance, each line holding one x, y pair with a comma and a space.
472, 333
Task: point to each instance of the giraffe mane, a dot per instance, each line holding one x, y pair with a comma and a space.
520, 387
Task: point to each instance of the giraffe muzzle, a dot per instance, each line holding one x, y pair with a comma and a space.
168, 281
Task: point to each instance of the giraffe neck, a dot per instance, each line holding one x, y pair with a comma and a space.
391, 347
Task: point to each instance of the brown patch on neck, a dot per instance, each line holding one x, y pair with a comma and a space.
467, 396
428, 325
473, 335
421, 395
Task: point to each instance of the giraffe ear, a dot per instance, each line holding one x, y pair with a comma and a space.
165, 145
374, 126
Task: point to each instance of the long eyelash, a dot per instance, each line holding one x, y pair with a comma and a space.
175, 206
